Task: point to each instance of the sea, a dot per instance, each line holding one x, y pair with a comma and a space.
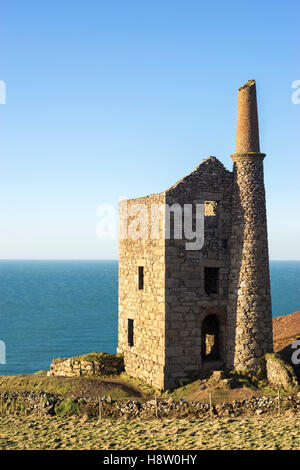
54, 309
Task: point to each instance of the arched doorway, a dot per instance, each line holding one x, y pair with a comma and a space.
210, 338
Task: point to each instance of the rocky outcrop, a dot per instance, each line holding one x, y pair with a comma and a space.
280, 373
93, 364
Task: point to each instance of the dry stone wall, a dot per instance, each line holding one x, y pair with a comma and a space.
49, 404
93, 364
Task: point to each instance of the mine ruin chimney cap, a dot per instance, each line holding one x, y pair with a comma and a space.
247, 132
249, 83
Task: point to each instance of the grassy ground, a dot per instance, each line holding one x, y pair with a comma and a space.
123, 387
29, 432
34, 432
118, 388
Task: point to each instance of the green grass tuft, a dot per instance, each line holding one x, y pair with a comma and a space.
67, 407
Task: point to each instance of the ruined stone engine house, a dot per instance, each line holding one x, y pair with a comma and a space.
182, 311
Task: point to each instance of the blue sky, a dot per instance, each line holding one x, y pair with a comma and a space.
123, 98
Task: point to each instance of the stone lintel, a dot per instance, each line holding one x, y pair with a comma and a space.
208, 196
207, 263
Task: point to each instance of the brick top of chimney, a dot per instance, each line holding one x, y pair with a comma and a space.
247, 133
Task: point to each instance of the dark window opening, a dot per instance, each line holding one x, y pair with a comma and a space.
225, 243
130, 332
210, 339
211, 280
141, 277
172, 225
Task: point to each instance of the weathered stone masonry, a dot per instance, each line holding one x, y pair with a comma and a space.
201, 308
146, 307
249, 322
187, 302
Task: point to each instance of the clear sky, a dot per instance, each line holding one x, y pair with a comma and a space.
122, 98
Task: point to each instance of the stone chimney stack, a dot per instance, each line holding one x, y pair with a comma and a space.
249, 317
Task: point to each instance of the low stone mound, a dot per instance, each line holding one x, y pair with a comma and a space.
92, 364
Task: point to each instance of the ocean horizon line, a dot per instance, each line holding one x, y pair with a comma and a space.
106, 259
58, 259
